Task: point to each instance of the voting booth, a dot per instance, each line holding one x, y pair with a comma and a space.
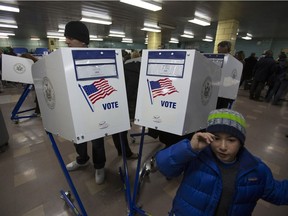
81, 93
177, 90
17, 69
230, 76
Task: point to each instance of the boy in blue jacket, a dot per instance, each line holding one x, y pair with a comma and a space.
220, 176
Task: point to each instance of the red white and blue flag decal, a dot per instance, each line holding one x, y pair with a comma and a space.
162, 87
98, 90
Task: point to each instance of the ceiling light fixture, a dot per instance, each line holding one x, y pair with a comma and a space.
9, 9
34, 39
116, 34
208, 39
8, 26
97, 21
174, 40
127, 40
150, 29
199, 21
6, 34
247, 37
95, 38
143, 4
188, 34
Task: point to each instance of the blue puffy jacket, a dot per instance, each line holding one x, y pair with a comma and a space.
200, 189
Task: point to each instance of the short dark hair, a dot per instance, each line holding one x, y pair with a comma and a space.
225, 44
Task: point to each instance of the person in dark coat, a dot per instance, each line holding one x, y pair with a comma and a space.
249, 65
263, 69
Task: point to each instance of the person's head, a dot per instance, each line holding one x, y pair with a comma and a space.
268, 53
282, 56
77, 34
229, 128
224, 47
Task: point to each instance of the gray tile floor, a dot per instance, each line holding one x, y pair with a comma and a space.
31, 177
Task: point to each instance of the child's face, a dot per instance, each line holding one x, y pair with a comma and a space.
225, 147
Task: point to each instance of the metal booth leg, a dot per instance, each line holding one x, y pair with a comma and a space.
133, 208
69, 180
19, 104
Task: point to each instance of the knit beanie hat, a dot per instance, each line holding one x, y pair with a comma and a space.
227, 121
77, 30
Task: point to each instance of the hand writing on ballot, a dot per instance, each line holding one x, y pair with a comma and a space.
200, 140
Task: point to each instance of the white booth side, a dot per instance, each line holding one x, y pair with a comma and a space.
170, 87
88, 95
231, 74
16, 69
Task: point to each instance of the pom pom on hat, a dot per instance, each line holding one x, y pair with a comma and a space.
77, 30
227, 121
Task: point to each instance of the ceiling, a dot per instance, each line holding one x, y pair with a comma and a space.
262, 19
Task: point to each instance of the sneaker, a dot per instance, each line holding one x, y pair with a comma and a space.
100, 176
74, 165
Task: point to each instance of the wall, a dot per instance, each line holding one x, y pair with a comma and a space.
206, 47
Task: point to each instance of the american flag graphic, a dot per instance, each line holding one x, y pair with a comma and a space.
162, 87
98, 90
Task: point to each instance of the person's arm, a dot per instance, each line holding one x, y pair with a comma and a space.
172, 161
275, 192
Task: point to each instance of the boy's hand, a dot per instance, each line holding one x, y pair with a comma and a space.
200, 140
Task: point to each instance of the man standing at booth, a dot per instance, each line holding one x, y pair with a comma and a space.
77, 35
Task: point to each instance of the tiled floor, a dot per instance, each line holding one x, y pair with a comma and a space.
31, 177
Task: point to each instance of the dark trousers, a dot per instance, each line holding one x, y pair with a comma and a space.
224, 103
256, 88
98, 150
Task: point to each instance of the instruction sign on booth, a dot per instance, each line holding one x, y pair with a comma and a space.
81, 93
177, 90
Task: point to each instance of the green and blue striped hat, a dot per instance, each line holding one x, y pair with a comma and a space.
227, 121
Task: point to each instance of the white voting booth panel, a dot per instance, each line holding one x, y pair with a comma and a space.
81, 93
16, 69
177, 90
231, 74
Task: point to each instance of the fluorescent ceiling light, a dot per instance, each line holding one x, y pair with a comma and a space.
199, 21
97, 21
187, 36
35, 39
150, 29
95, 38
116, 32
6, 34
4, 37
208, 39
8, 26
247, 38
143, 4
9, 8
174, 40
202, 15
102, 15
127, 40
116, 35
56, 34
